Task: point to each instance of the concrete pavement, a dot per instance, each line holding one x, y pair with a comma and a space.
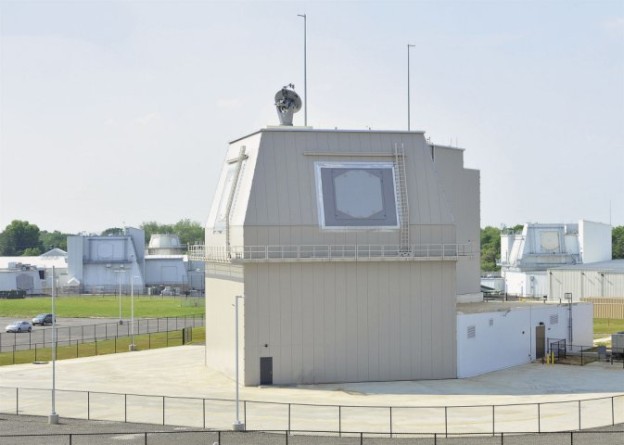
179, 372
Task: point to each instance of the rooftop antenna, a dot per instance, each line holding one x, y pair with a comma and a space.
305, 69
408, 86
287, 103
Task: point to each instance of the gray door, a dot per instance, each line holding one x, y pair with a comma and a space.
266, 370
540, 343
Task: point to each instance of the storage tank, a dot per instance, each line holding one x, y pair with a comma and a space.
165, 244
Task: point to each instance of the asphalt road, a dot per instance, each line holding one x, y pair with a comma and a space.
70, 330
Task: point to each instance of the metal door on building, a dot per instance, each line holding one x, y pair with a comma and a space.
266, 370
540, 341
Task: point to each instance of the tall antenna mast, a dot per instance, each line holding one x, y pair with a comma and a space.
408, 87
305, 69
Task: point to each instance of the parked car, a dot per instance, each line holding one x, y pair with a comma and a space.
42, 319
168, 291
19, 326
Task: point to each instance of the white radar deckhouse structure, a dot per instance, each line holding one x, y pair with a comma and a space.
350, 248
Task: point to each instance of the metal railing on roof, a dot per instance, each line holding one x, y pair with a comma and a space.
352, 252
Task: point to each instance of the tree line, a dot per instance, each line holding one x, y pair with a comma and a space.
21, 238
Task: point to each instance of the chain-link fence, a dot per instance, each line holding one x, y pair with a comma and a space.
70, 335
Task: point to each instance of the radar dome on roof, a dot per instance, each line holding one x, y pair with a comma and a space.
287, 103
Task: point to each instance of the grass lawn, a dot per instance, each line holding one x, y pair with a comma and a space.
102, 347
103, 306
604, 327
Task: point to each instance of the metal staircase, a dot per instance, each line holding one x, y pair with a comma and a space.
401, 193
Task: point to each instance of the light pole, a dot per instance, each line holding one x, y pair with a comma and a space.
408, 87
238, 425
53, 418
305, 69
568, 296
120, 271
132, 345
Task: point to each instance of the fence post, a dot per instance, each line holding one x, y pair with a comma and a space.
446, 421
493, 420
88, 405
579, 409
17, 401
13, 353
289, 417
245, 411
361, 438
390, 422
539, 419
163, 409
115, 345
204, 412
339, 421
35, 351
126, 408
612, 412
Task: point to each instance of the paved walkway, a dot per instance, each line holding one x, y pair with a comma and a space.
180, 372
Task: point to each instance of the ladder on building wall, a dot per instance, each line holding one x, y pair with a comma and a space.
403, 202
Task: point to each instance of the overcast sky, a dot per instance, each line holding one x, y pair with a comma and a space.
119, 112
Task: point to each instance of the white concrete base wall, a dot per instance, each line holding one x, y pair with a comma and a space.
220, 332
507, 338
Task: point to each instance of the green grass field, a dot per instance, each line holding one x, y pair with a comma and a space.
604, 327
103, 306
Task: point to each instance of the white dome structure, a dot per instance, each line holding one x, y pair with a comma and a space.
165, 244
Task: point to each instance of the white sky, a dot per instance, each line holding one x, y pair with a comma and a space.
120, 112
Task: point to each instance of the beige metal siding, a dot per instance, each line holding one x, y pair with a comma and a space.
462, 189
283, 202
327, 322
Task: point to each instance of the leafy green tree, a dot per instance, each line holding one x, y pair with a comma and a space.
19, 236
152, 227
50, 240
32, 251
490, 248
113, 231
617, 240
190, 232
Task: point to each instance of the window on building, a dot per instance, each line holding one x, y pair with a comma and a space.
356, 194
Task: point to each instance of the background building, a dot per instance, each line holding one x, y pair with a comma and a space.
32, 273
105, 264
526, 257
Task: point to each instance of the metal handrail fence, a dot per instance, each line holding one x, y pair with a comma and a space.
350, 252
92, 332
582, 355
279, 437
100, 347
196, 412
